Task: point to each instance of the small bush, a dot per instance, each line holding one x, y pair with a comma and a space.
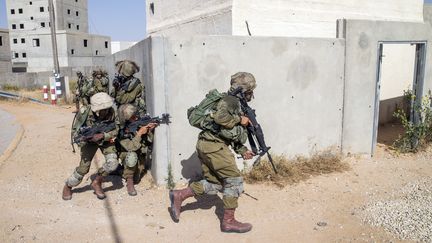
296, 170
418, 132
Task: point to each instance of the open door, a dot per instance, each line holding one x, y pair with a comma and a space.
400, 66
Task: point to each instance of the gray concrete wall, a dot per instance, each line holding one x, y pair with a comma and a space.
298, 98
5, 52
362, 39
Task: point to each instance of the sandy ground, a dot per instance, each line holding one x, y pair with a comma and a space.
31, 208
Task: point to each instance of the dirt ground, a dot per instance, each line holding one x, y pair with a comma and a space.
31, 208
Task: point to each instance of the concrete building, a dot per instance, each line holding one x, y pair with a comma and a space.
309, 18
31, 44
5, 52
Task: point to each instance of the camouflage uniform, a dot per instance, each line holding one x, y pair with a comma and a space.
220, 171
127, 88
84, 90
100, 81
87, 116
133, 150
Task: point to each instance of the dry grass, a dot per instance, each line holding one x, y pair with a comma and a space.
296, 170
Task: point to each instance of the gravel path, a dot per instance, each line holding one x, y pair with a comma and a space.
408, 214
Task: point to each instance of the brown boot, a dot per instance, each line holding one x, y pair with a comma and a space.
67, 192
130, 186
230, 224
97, 187
177, 197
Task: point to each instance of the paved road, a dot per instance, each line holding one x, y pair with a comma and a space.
8, 129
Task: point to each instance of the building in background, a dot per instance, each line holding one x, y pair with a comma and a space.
5, 57
271, 17
30, 36
117, 46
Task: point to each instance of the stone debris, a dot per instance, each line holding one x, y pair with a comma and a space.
408, 214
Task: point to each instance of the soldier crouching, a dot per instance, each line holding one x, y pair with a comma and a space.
100, 111
220, 171
133, 147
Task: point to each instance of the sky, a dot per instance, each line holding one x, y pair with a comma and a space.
123, 20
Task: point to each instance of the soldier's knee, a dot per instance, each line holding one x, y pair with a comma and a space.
210, 188
131, 159
83, 168
111, 162
74, 179
233, 186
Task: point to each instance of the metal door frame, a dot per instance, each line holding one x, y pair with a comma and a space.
418, 81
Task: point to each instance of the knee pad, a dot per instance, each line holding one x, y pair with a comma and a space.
233, 187
210, 188
111, 162
74, 179
131, 159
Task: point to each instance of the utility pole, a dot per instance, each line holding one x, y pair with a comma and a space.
54, 38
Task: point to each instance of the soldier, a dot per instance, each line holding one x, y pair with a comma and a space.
127, 88
218, 162
100, 110
133, 147
100, 81
84, 91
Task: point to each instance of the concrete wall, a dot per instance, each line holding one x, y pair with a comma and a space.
117, 46
295, 77
309, 18
316, 18
197, 16
362, 39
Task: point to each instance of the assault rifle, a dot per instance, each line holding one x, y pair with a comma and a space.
255, 132
118, 81
85, 134
133, 127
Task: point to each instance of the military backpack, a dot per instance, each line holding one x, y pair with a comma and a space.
200, 116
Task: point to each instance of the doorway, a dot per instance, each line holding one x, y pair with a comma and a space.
400, 70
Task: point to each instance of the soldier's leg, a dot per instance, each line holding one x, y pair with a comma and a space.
130, 167
209, 184
87, 153
223, 166
111, 163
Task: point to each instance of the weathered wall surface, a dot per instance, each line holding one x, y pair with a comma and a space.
5, 52
316, 18
193, 16
308, 18
300, 81
361, 63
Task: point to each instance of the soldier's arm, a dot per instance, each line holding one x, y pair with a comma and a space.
239, 148
113, 134
227, 111
131, 144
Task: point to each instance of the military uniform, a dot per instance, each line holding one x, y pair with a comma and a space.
88, 117
84, 90
132, 148
220, 172
129, 90
100, 81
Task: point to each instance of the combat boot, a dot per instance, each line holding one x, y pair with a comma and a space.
97, 187
67, 192
130, 186
177, 197
230, 224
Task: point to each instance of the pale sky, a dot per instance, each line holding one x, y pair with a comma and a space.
123, 20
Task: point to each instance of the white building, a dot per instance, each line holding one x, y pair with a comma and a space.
5, 58
30, 38
307, 18
117, 46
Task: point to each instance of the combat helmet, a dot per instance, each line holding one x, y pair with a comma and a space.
244, 80
127, 68
101, 101
126, 111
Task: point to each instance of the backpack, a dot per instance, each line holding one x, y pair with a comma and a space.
199, 116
